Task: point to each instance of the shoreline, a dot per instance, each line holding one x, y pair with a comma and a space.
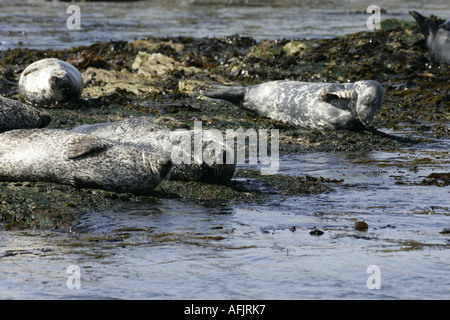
160, 78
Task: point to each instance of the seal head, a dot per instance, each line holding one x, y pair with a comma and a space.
50, 81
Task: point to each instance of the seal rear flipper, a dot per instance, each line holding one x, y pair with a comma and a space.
235, 95
426, 25
86, 146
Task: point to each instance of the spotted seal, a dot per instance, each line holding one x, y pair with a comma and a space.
307, 104
83, 161
151, 137
50, 81
17, 115
437, 38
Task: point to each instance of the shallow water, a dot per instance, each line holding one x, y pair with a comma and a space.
43, 24
180, 249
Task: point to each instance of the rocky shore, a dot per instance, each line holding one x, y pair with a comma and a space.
160, 78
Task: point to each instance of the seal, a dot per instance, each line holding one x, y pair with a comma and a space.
50, 81
83, 161
17, 115
307, 104
437, 38
153, 138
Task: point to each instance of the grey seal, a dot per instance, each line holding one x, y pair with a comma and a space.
151, 137
309, 105
17, 115
437, 38
83, 161
50, 81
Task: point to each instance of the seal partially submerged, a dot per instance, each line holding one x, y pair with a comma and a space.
49, 81
17, 115
307, 104
151, 137
437, 38
80, 160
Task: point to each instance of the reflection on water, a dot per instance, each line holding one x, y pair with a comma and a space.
43, 24
179, 249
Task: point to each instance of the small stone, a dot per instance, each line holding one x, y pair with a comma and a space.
316, 232
361, 226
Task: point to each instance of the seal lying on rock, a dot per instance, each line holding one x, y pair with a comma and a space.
80, 160
437, 38
16, 115
307, 104
151, 137
49, 81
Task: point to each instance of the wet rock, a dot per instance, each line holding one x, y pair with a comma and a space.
294, 47
157, 45
101, 82
316, 232
361, 226
439, 179
156, 64
287, 185
88, 59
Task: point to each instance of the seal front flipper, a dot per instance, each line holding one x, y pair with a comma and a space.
339, 97
86, 146
335, 91
235, 95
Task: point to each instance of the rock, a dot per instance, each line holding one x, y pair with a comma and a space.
153, 65
361, 226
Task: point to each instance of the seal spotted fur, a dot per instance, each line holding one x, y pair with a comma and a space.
307, 104
17, 115
151, 137
49, 81
437, 38
83, 161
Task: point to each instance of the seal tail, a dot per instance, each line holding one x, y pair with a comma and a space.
235, 95
426, 25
